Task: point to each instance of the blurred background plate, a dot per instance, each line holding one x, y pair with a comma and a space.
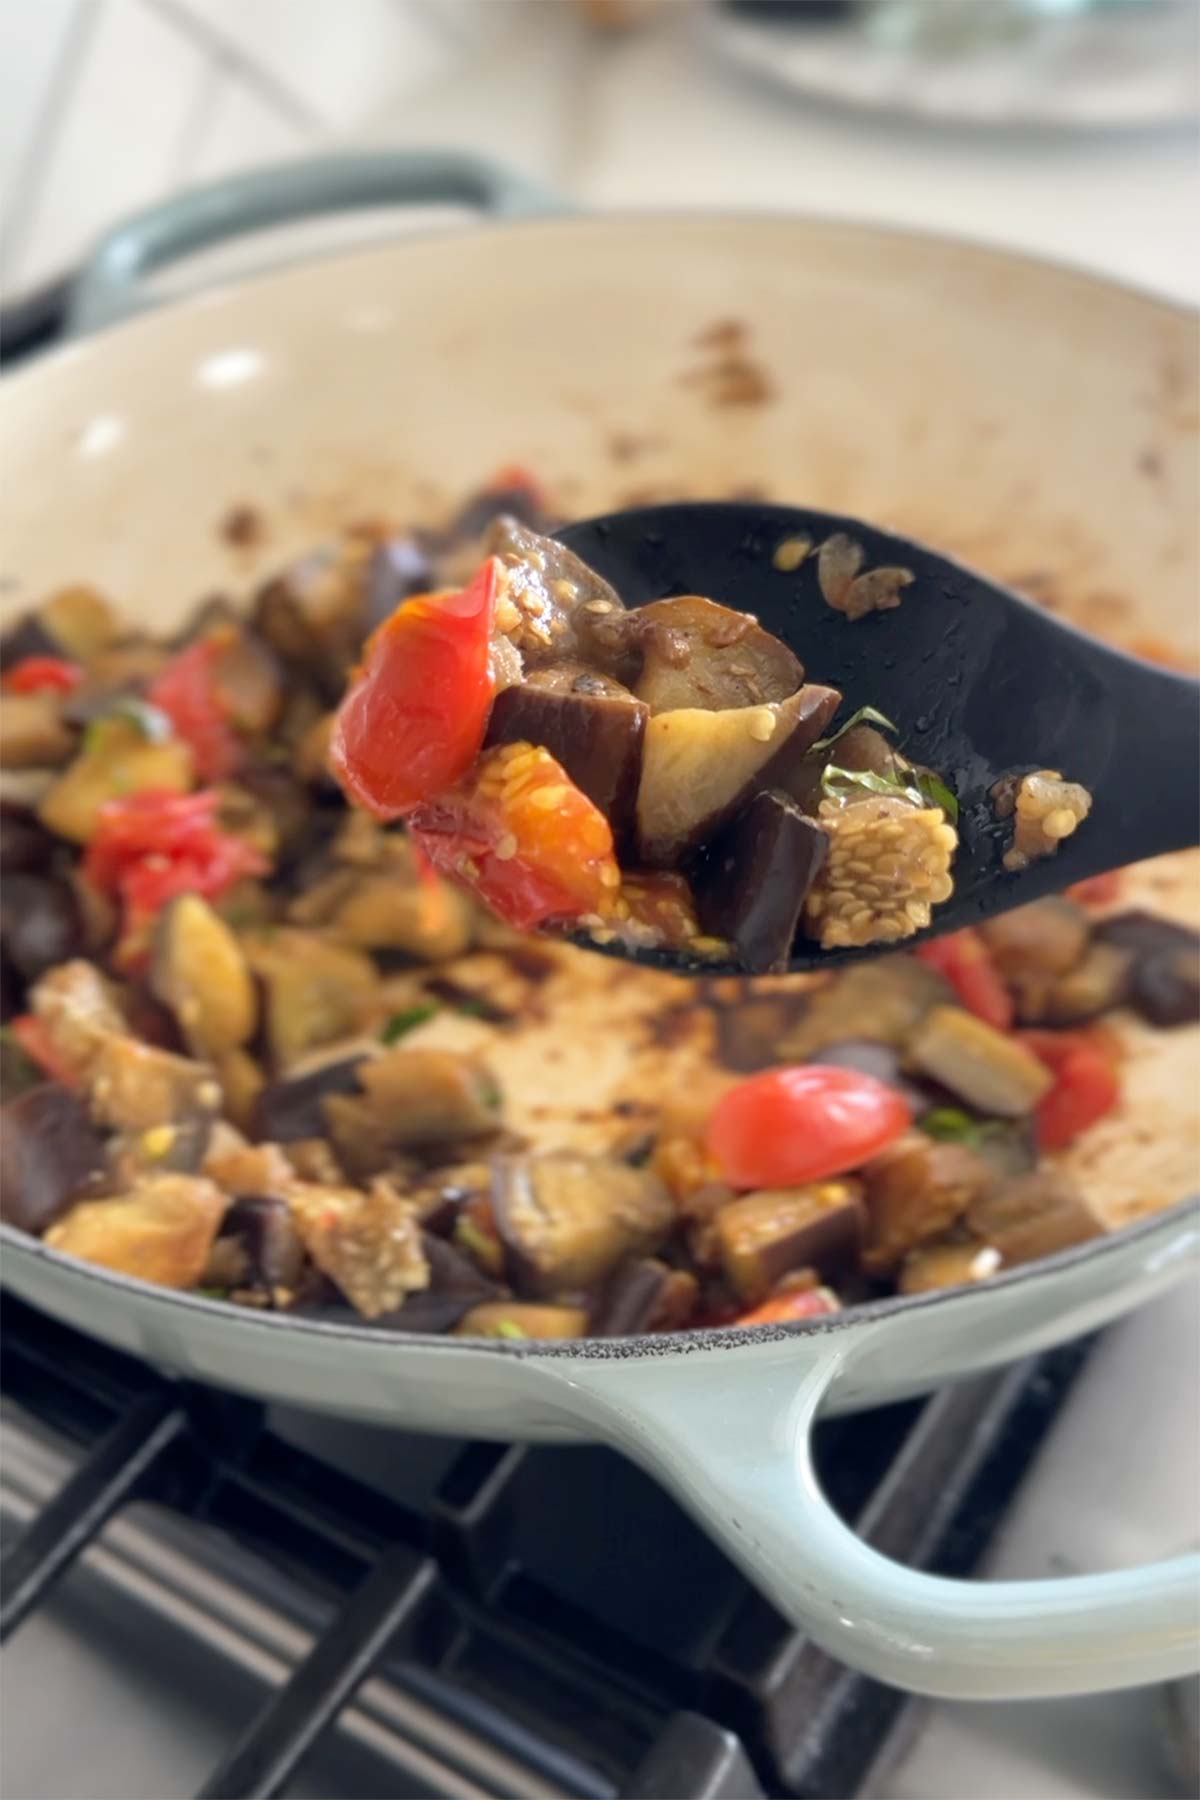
1019, 65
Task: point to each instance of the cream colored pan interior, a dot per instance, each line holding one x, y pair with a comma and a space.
1035, 422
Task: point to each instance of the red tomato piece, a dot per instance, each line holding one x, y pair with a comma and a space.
156, 845
522, 835
966, 962
43, 675
186, 691
1086, 1084
1097, 890
34, 1038
789, 1126
795, 1303
413, 722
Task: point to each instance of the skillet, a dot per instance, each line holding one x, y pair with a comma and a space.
1026, 418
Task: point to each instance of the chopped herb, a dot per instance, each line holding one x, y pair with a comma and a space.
852, 784
951, 1125
212, 1293
401, 1023
508, 1328
906, 783
866, 715
935, 792
474, 1008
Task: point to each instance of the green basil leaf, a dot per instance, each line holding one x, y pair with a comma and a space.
934, 791
866, 715
508, 1328
950, 1125
401, 1023
851, 784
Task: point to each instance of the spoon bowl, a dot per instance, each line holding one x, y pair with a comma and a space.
979, 682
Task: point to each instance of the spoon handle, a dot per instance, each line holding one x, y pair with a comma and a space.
1152, 789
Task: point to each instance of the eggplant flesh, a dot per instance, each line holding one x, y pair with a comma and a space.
699, 768
697, 653
754, 878
765, 1235
597, 739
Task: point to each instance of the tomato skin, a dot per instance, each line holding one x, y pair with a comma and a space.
43, 675
789, 1126
798, 1303
966, 962
156, 845
1086, 1087
186, 691
413, 722
530, 862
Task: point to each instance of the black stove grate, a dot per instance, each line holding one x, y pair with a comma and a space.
551, 1602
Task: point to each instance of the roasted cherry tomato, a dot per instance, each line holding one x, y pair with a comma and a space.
1097, 890
154, 845
789, 1126
1086, 1084
794, 1303
34, 1038
520, 833
966, 962
413, 722
186, 691
43, 675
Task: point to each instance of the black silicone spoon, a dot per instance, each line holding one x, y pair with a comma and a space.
979, 682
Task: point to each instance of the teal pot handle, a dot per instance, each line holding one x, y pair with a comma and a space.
109, 287
745, 1471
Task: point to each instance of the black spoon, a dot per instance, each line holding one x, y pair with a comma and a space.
979, 682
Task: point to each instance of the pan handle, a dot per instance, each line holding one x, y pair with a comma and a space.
739, 1458
109, 286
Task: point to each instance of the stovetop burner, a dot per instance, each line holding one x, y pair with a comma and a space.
480, 1618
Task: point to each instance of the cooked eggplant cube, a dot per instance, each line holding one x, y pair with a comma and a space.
753, 879
597, 739
567, 1220
293, 1108
1166, 988
266, 1231
645, 1296
696, 653
700, 767
763, 1236
48, 1150
1036, 1215
986, 1068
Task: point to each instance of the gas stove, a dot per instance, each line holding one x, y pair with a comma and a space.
382, 1613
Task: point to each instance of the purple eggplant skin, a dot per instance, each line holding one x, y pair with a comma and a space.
398, 569
40, 923
49, 1150
292, 1109
455, 1286
28, 637
752, 882
25, 847
598, 739
867, 1057
1164, 982
266, 1230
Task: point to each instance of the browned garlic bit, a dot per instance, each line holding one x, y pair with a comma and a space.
875, 590
888, 866
1047, 809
